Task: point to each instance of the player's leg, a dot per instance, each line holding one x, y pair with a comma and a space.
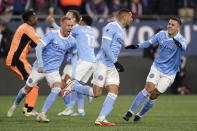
83, 73
98, 81
65, 77
54, 81
152, 79
163, 84
31, 82
112, 82
31, 97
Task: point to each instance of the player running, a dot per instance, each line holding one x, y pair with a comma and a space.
164, 68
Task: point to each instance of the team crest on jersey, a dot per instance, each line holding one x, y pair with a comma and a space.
30, 80
152, 75
100, 77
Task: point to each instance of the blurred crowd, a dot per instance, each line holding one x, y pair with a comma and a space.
99, 10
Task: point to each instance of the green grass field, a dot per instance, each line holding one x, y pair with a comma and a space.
170, 113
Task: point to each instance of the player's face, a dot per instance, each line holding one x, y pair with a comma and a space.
66, 26
173, 27
128, 20
70, 15
34, 20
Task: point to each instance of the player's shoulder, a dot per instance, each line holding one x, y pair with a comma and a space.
25, 27
71, 39
180, 37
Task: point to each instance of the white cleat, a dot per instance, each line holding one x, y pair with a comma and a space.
32, 113
66, 112
42, 118
11, 110
68, 89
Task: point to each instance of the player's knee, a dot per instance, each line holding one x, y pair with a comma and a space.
155, 94
150, 87
97, 93
56, 84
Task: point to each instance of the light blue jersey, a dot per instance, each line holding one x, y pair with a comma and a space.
114, 32
55, 48
85, 36
169, 55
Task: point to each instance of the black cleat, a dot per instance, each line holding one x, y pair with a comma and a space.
137, 118
127, 115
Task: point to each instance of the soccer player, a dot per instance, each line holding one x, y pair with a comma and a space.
50, 54
164, 68
70, 99
16, 61
85, 36
106, 72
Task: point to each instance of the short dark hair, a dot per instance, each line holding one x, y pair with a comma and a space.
176, 19
87, 19
123, 10
65, 18
75, 14
26, 15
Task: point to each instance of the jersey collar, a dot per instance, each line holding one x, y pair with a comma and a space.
65, 38
119, 25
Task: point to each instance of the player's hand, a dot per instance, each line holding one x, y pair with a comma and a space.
50, 19
132, 47
40, 69
119, 67
177, 43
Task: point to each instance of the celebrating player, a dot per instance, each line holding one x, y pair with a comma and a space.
164, 68
106, 72
50, 54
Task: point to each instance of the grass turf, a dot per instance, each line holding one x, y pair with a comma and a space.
170, 113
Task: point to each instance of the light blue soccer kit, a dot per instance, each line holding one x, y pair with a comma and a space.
106, 73
50, 54
164, 68
85, 37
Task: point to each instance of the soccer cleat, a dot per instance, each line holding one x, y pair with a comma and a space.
127, 116
66, 112
42, 118
24, 110
137, 118
68, 89
32, 113
78, 114
103, 122
11, 110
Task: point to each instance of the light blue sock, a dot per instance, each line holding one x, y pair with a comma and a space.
108, 104
51, 99
67, 100
73, 98
80, 99
139, 99
147, 106
83, 89
20, 96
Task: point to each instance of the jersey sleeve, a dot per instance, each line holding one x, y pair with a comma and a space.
47, 38
74, 46
154, 39
74, 31
32, 35
108, 32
